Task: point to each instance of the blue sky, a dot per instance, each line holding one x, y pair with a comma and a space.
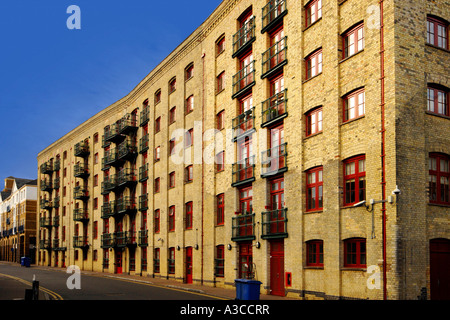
52, 79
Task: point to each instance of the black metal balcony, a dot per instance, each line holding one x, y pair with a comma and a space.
120, 239
143, 238
45, 244
56, 183
56, 202
80, 214
104, 142
243, 39
143, 202
108, 209
274, 58
143, 143
80, 193
127, 150
126, 205
243, 171
80, 242
128, 124
244, 80
46, 185
274, 224
107, 240
243, 226
126, 178
143, 173
57, 165
46, 204
130, 238
45, 222
244, 124
111, 159
80, 170
274, 109
144, 116
274, 161
55, 222
272, 14
109, 184
81, 149
46, 167
112, 134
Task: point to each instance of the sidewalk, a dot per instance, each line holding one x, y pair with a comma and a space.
227, 294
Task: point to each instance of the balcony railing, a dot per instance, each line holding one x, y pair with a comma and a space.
143, 238
127, 149
126, 205
80, 214
144, 116
55, 221
143, 173
57, 165
47, 167
126, 176
272, 13
45, 222
128, 123
243, 171
274, 108
244, 79
143, 202
81, 149
80, 193
143, 143
45, 244
244, 37
274, 58
130, 238
107, 240
274, 224
244, 123
274, 160
108, 209
120, 239
56, 182
112, 134
104, 142
80, 242
80, 170
56, 202
109, 183
46, 204
243, 226
46, 185
111, 158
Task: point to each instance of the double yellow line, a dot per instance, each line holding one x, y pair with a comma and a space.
51, 293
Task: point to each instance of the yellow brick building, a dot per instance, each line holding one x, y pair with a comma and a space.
268, 145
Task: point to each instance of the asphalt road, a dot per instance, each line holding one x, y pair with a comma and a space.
92, 287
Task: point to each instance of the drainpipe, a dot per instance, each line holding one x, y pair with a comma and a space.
383, 147
203, 165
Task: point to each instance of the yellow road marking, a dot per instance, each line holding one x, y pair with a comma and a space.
48, 291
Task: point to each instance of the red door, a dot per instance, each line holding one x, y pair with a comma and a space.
189, 265
245, 260
277, 268
440, 269
119, 262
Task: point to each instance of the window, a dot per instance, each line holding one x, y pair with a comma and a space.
172, 179
190, 104
314, 189
353, 41
314, 253
354, 180
189, 215
188, 173
158, 124
188, 138
220, 161
313, 12
220, 122
220, 45
189, 72
157, 185
96, 180
157, 220
355, 253
171, 260
156, 261
314, 120
172, 85
438, 101
172, 218
219, 265
437, 32
95, 229
95, 203
172, 146
96, 137
439, 176
221, 82
157, 96
314, 64
172, 115
354, 105
157, 153
220, 199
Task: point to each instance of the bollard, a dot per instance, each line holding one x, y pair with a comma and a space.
35, 290
28, 294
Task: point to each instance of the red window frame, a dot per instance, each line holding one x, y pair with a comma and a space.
355, 253
314, 189
313, 64
356, 192
157, 185
353, 37
220, 45
438, 101
172, 218
315, 5
156, 261
359, 107
190, 104
220, 122
172, 179
246, 200
158, 96
157, 217
314, 121
158, 125
157, 153
189, 215
189, 71
189, 138
220, 161
220, 217
314, 253
171, 261
172, 85
188, 173
434, 37
172, 146
220, 261
220, 82
439, 178
95, 232
172, 115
